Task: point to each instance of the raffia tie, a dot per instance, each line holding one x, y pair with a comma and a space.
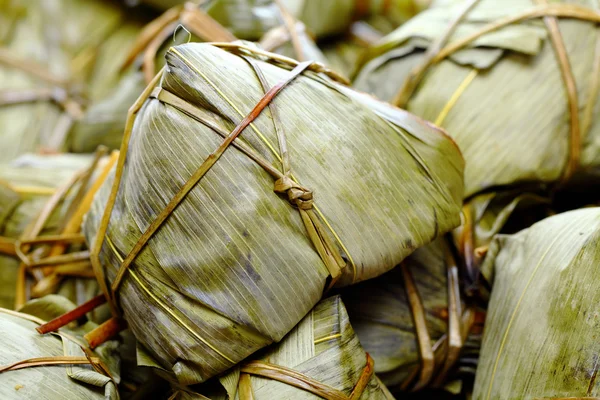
156, 33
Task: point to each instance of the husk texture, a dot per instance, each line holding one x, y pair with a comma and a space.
540, 332
231, 269
20, 341
382, 318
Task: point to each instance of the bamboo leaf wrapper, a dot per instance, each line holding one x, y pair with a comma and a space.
234, 266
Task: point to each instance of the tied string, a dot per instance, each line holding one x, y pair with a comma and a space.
438, 51
46, 361
61, 92
46, 257
199, 174
157, 32
301, 381
301, 197
277, 59
437, 359
292, 26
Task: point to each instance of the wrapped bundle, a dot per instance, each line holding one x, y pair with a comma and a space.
235, 248
540, 338
320, 357
33, 366
335, 17
411, 320
516, 86
55, 59
42, 200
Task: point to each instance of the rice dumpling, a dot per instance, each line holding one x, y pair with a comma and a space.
320, 357
227, 247
53, 366
403, 318
540, 338
516, 85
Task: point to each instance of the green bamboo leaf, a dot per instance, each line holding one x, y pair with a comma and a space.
250, 19
540, 332
502, 97
232, 269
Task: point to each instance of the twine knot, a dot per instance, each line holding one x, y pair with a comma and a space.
298, 196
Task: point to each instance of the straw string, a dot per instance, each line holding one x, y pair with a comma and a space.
89, 358
291, 26
61, 93
31, 67
594, 89
416, 75
423, 338
301, 197
294, 378
44, 256
280, 60
72, 315
50, 256
103, 226
192, 111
